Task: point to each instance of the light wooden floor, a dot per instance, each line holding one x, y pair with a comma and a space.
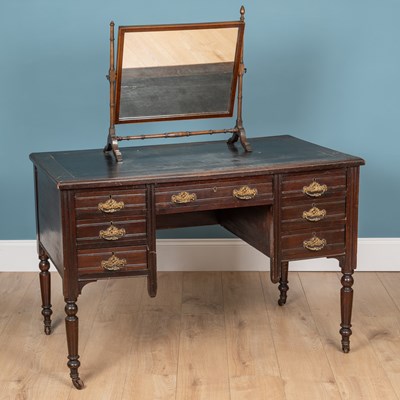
205, 336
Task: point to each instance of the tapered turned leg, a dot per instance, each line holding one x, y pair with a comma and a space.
152, 283
152, 277
151, 286
71, 325
346, 305
283, 283
45, 289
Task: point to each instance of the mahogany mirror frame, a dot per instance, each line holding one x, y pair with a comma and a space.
115, 78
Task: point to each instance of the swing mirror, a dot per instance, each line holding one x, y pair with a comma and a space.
170, 72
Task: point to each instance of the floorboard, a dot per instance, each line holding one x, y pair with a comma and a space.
207, 335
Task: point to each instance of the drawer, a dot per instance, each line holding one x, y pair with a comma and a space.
314, 185
110, 233
108, 204
214, 194
313, 243
313, 213
106, 262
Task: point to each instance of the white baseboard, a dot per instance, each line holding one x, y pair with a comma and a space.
379, 254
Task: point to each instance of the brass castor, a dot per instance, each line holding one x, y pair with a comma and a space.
78, 383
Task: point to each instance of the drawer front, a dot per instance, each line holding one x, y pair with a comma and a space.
110, 233
318, 243
314, 185
109, 262
313, 213
109, 204
214, 194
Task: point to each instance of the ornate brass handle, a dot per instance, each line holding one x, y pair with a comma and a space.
314, 244
183, 197
315, 189
314, 214
111, 206
113, 263
112, 233
245, 193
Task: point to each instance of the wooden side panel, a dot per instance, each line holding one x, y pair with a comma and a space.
250, 224
48, 208
275, 227
71, 288
151, 241
352, 219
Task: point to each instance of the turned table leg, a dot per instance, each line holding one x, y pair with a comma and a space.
152, 277
45, 289
283, 283
71, 325
346, 305
152, 285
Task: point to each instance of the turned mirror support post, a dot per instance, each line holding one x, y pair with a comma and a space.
240, 132
112, 142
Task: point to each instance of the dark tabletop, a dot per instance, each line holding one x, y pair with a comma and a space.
169, 162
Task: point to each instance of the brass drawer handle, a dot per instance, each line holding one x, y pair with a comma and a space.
245, 193
183, 197
314, 244
112, 233
111, 206
315, 189
314, 214
113, 263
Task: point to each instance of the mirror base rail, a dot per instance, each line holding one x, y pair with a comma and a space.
239, 133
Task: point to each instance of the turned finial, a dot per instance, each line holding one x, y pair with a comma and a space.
242, 11
112, 23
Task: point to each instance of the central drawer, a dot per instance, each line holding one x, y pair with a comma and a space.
214, 194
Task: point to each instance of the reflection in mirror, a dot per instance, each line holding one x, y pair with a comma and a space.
177, 73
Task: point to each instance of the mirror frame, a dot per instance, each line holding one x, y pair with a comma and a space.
122, 30
114, 78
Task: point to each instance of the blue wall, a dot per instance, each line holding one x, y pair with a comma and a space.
322, 70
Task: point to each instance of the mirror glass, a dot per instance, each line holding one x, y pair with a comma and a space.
177, 71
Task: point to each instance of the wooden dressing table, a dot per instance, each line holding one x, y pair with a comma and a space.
97, 219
